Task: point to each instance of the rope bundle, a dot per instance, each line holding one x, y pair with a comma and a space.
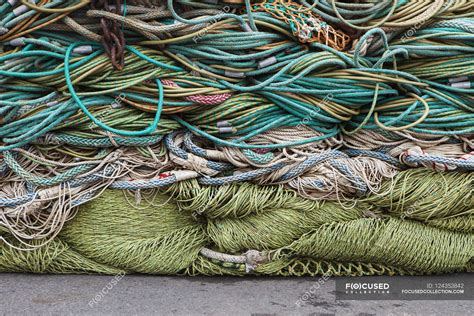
321, 117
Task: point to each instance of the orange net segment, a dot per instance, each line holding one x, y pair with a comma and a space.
307, 26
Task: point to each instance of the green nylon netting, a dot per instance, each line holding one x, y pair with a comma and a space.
298, 237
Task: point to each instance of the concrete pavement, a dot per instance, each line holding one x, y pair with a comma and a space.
27, 294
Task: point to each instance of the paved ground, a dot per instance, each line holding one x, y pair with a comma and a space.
23, 294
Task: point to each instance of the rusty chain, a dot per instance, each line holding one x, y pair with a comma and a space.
113, 38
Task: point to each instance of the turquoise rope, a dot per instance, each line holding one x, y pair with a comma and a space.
146, 131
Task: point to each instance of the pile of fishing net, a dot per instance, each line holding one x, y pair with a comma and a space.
236, 137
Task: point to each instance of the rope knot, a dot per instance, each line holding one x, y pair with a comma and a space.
253, 259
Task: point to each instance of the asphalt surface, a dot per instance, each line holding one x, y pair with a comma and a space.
26, 294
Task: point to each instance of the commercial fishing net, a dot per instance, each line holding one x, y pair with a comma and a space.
237, 137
